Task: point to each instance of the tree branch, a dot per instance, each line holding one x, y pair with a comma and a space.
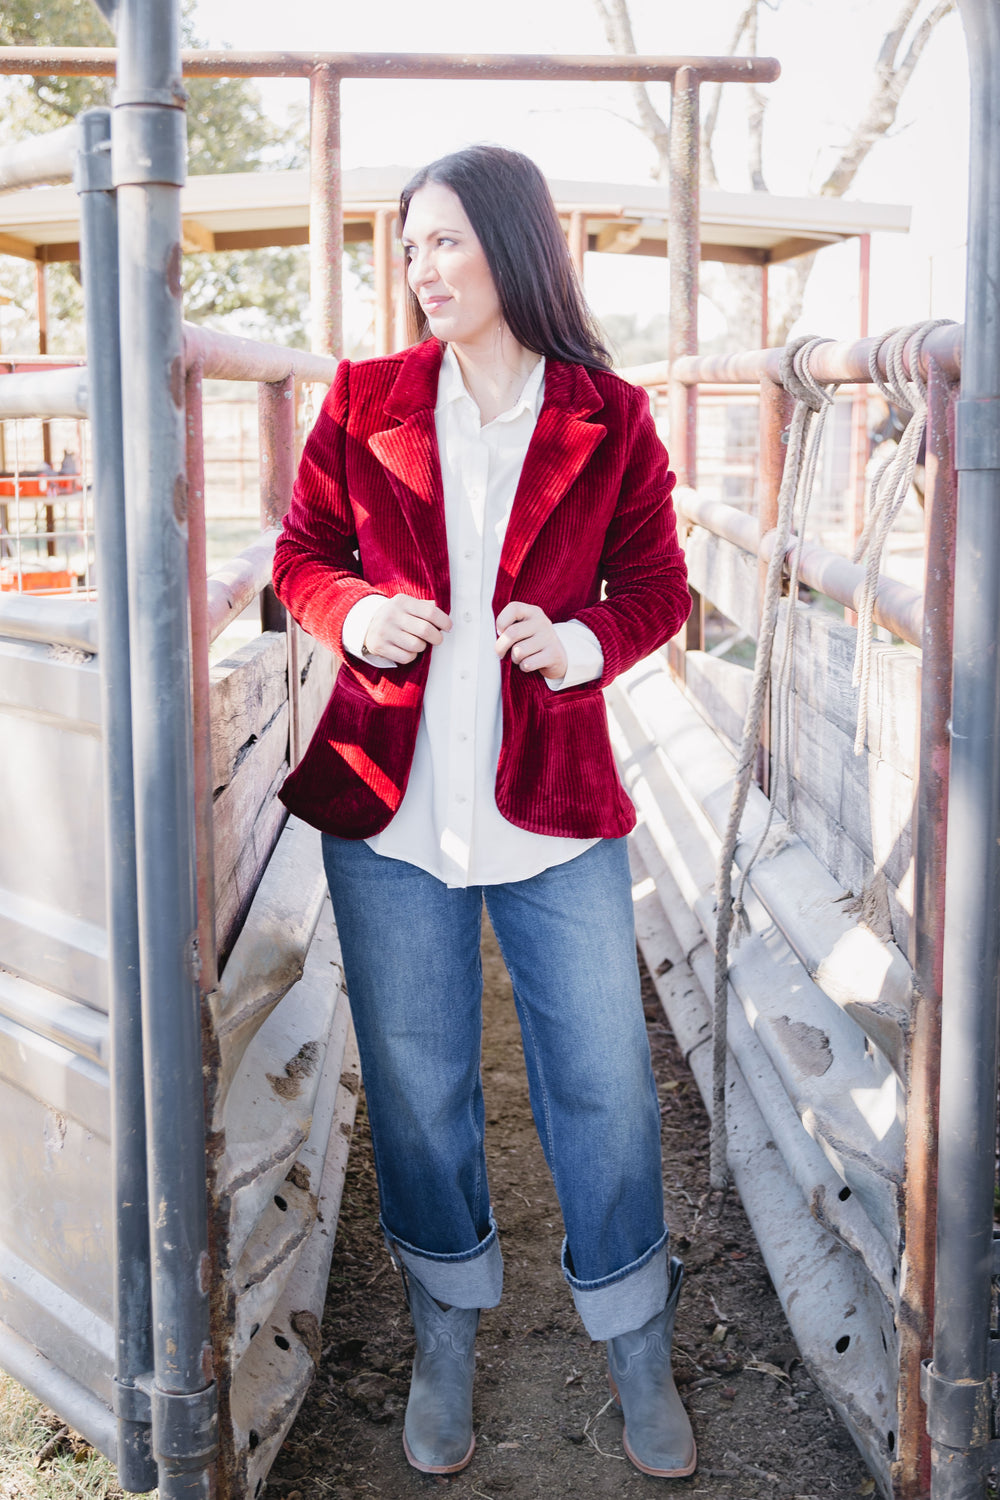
618, 30
756, 105
890, 82
711, 116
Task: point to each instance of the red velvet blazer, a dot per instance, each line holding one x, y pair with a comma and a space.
592, 508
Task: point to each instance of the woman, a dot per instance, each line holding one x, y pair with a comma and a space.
481, 530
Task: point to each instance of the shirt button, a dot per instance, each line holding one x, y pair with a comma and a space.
468, 555
467, 616
460, 797
463, 676
463, 737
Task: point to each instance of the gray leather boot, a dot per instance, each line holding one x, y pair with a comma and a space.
658, 1437
437, 1432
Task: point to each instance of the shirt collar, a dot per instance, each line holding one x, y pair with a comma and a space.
451, 387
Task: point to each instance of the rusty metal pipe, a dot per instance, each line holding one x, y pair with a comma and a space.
326, 216
685, 258
383, 244
201, 703
224, 356
276, 420
959, 1383
930, 832
898, 608
96, 62
838, 362
276, 415
577, 240
235, 585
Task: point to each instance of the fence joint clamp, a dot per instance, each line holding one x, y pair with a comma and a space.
185, 1426
131, 1402
959, 1412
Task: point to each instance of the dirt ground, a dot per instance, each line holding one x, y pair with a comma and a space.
543, 1424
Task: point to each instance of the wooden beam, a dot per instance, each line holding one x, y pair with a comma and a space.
735, 255
66, 250
195, 237
790, 249
11, 245
619, 239
260, 239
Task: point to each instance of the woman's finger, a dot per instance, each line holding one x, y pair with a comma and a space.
515, 611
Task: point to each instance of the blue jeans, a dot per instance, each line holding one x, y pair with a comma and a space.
411, 959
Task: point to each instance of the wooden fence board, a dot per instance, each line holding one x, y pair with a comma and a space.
248, 690
317, 672
725, 575
720, 690
870, 799
824, 666
247, 819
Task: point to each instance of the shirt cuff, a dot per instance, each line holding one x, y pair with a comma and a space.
355, 628
583, 654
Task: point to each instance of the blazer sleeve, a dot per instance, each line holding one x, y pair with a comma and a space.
646, 598
317, 574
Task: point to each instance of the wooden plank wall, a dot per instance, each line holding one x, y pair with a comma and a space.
854, 812
250, 760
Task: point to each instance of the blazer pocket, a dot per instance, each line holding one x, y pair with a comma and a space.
583, 692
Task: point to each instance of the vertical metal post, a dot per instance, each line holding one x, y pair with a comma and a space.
276, 408
42, 303
684, 249
926, 945
148, 164
958, 1384
775, 415
276, 420
578, 241
765, 311
382, 233
130, 1237
326, 216
859, 409
201, 701
776, 408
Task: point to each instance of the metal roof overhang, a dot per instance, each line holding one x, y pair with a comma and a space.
252, 210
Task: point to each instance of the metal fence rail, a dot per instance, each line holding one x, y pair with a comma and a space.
157, 1347
808, 975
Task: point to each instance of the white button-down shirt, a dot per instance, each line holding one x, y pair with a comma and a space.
448, 822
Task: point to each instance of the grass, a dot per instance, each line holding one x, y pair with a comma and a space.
73, 1470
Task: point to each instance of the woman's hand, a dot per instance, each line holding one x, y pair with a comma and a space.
529, 635
404, 627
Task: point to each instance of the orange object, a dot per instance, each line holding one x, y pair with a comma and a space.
37, 582
27, 486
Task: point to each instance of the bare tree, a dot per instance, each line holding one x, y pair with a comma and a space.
901, 49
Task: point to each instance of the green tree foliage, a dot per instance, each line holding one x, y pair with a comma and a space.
228, 130
260, 293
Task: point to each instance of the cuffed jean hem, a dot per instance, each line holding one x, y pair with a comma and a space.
472, 1278
628, 1298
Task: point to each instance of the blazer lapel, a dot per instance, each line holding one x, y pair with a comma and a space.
408, 453
561, 446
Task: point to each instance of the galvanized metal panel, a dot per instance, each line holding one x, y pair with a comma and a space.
841, 1323
52, 853
804, 1075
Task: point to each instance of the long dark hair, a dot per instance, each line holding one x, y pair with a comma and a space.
508, 204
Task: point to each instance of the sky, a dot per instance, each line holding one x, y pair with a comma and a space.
827, 50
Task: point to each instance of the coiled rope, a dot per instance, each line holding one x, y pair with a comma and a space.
800, 466
889, 488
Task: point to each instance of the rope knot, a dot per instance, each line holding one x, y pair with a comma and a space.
796, 376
